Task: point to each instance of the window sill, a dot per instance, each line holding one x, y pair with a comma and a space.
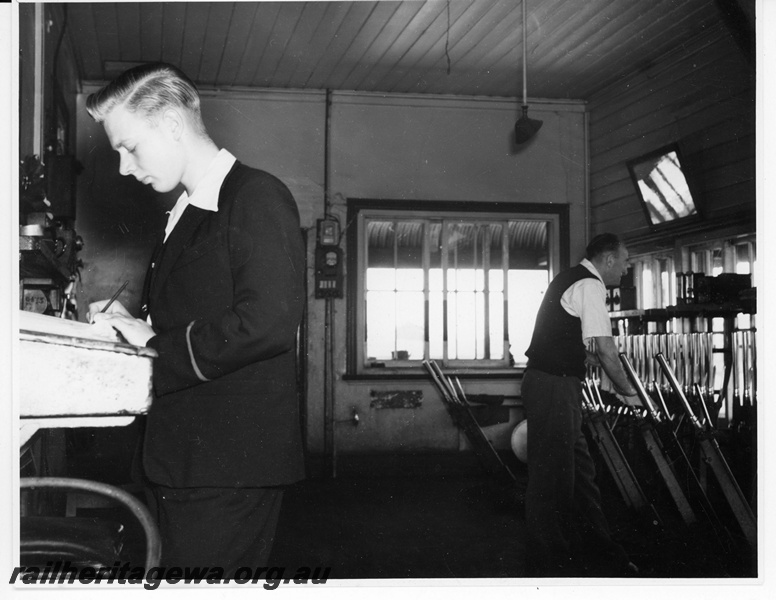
396, 375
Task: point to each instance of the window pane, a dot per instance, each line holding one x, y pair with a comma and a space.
479, 324
460, 244
526, 290
381, 239
380, 279
496, 280
409, 244
435, 280
380, 324
462, 280
698, 262
452, 279
452, 325
493, 244
466, 321
496, 325
666, 279
716, 261
435, 324
647, 287
743, 264
409, 327
409, 279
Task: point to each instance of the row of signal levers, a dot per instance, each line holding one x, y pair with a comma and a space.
674, 376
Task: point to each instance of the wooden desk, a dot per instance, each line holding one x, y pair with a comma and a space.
73, 375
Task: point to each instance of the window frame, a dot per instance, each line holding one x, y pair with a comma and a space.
359, 209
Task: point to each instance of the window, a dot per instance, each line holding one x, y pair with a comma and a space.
655, 279
656, 274
725, 256
446, 282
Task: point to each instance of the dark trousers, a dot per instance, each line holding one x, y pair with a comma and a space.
567, 531
217, 527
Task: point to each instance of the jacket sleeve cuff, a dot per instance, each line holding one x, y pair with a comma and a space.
194, 364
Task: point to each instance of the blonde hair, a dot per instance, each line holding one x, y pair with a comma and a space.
148, 89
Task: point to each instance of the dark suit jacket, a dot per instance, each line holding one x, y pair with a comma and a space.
225, 294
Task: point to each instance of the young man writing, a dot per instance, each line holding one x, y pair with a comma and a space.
223, 299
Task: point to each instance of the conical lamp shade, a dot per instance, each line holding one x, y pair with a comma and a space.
526, 128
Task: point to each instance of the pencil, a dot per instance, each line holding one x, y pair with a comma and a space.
116, 295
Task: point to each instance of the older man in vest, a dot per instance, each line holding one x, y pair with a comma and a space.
568, 534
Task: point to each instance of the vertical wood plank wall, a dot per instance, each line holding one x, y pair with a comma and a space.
702, 96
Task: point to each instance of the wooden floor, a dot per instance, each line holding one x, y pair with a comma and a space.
399, 520
441, 517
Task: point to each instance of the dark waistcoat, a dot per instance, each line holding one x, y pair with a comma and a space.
556, 346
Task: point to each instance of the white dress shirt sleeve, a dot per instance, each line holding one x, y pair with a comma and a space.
586, 299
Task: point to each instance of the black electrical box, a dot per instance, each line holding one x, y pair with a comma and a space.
328, 272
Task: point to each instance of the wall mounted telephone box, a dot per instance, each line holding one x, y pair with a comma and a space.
328, 260
328, 272
328, 232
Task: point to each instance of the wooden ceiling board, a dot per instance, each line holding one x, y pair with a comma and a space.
297, 58
381, 50
173, 23
236, 42
549, 16
429, 47
194, 31
575, 48
677, 47
332, 51
500, 46
614, 54
615, 38
279, 39
324, 36
556, 66
412, 62
361, 38
394, 69
465, 33
258, 39
217, 36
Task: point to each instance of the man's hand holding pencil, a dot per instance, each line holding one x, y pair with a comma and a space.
112, 312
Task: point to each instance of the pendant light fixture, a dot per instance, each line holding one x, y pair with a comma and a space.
525, 128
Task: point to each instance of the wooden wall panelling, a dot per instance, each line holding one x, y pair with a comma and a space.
153, 16
81, 24
701, 98
128, 13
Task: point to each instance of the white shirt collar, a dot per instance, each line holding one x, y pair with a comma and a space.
205, 195
591, 267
